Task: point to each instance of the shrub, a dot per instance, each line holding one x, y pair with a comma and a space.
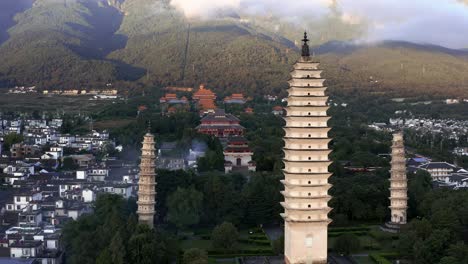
347, 243
195, 256
381, 258
225, 237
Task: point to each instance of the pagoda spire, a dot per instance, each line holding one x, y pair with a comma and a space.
305, 46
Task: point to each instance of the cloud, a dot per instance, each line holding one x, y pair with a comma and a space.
443, 22
423, 21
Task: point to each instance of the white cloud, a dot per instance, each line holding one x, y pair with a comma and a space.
443, 22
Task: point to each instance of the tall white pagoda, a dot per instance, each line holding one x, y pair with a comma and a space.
147, 182
306, 164
398, 182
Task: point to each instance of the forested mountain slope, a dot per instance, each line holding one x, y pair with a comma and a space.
59, 43
139, 44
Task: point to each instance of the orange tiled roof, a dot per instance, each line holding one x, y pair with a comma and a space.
202, 92
278, 108
207, 104
171, 96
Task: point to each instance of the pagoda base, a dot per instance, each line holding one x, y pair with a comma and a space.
391, 227
286, 261
146, 220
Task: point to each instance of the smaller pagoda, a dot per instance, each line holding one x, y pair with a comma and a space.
147, 182
398, 184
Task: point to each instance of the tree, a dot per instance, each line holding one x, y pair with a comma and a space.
380, 212
147, 247
220, 200
117, 249
347, 243
11, 139
278, 245
225, 236
261, 197
69, 164
459, 252
105, 257
432, 249
195, 256
449, 260
184, 206
419, 185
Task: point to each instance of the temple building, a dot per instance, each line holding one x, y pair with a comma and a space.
205, 99
398, 183
220, 124
235, 99
238, 156
306, 163
173, 99
147, 182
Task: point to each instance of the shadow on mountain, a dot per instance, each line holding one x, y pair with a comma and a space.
100, 37
346, 48
8, 10
338, 47
128, 72
425, 47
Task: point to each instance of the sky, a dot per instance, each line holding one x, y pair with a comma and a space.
440, 22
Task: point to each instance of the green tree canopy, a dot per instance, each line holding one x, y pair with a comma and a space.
185, 206
225, 236
347, 244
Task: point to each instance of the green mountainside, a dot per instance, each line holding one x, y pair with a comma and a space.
146, 43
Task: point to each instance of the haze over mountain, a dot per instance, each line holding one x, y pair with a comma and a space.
141, 43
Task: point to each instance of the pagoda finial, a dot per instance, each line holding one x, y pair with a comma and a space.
305, 46
148, 129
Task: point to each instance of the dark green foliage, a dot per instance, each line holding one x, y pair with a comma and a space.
419, 185
359, 196
69, 164
382, 258
265, 133
439, 235
347, 244
261, 198
111, 235
225, 237
185, 206
225, 197
214, 157
195, 256
221, 200
10, 139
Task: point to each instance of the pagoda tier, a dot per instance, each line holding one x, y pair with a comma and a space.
398, 182
147, 182
306, 163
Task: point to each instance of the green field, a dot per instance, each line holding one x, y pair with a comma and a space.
49, 103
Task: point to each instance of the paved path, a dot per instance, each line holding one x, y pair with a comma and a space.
337, 259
